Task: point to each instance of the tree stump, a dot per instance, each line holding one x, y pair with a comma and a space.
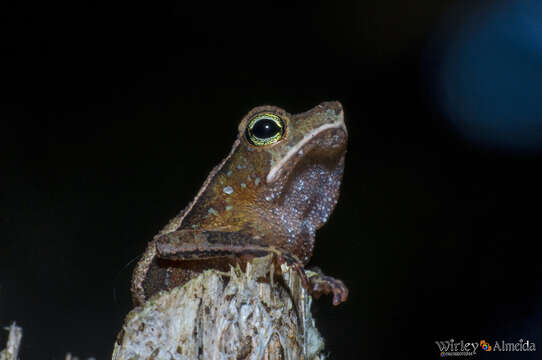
247, 314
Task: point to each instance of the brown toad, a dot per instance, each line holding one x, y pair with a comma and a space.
278, 185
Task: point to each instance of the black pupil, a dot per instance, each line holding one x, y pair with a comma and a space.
265, 128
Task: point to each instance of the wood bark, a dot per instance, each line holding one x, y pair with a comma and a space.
14, 342
251, 314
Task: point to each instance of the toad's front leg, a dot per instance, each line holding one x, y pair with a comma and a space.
203, 245
320, 283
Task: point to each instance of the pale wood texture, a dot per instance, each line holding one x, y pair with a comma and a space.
14, 342
246, 315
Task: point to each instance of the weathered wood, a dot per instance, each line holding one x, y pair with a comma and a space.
245, 315
14, 342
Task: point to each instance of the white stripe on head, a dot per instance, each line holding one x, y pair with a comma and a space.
275, 169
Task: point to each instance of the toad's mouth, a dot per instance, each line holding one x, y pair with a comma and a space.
326, 141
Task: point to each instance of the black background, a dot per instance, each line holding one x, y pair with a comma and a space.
113, 115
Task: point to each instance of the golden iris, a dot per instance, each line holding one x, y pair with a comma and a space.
264, 129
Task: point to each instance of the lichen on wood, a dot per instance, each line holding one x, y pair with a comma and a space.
244, 315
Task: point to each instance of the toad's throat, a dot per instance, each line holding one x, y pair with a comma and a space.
299, 201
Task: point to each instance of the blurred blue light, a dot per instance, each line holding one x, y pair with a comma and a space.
491, 76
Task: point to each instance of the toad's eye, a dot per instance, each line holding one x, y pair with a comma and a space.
265, 129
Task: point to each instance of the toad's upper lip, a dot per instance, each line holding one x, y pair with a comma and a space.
275, 170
